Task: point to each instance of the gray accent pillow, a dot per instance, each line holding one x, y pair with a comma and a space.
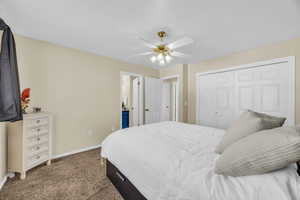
270, 121
247, 124
259, 153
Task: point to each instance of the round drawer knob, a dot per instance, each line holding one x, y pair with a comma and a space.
38, 157
38, 129
38, 139
38, 121
37, 148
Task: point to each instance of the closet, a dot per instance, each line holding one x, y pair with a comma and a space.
267, 87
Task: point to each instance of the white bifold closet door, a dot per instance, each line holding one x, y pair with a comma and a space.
153, 100
223, 96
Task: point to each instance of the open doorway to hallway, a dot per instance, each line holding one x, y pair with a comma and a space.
131, 100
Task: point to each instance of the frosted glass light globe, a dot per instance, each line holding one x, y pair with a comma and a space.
162, 62
168, 58
153, 59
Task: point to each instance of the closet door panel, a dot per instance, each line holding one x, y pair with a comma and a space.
246, 90
246, 97
225, 98
264, 89
270, 98
216, 99
206, 101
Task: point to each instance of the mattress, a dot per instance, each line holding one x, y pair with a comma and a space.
175, 161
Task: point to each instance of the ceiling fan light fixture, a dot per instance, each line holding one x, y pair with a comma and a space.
163, 52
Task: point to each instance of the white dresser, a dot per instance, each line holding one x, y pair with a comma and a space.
29, 142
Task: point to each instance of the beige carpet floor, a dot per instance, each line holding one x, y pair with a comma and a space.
76, 177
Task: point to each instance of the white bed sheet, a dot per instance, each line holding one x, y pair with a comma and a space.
175, 161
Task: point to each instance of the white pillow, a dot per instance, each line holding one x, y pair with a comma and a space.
247, 124
259, 153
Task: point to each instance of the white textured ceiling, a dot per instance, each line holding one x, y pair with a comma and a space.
111, 27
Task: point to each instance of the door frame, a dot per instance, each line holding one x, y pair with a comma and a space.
178, 106
141, 116
291, 60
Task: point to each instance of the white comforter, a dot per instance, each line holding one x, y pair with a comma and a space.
175, 161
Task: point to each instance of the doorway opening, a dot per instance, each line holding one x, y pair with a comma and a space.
131, 100
170, 99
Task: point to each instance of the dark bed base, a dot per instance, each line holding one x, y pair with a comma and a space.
122, 184
126, 188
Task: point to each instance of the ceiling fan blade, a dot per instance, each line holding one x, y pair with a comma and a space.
181, 42
147, 43
179, 54
143, 54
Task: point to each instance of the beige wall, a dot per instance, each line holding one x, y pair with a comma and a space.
81, 89
180, 70
278, 50
2, 151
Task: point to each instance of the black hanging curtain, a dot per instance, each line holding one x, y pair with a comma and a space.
10, 102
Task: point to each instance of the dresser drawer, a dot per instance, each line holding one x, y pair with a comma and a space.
37, 159
38, 139
37, 122
39, 148
34, 132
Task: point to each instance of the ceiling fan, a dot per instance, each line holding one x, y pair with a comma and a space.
164, 52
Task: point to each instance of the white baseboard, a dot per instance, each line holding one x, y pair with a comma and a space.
2, 182
76, 151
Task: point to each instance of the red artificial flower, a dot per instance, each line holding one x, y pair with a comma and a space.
25, 94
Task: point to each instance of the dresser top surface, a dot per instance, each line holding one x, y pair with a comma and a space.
35, 115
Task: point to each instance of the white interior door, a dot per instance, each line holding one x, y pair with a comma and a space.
166, 101
153, 100
135, 102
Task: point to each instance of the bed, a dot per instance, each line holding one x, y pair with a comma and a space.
175, 161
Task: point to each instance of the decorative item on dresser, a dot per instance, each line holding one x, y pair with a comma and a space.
29, 142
